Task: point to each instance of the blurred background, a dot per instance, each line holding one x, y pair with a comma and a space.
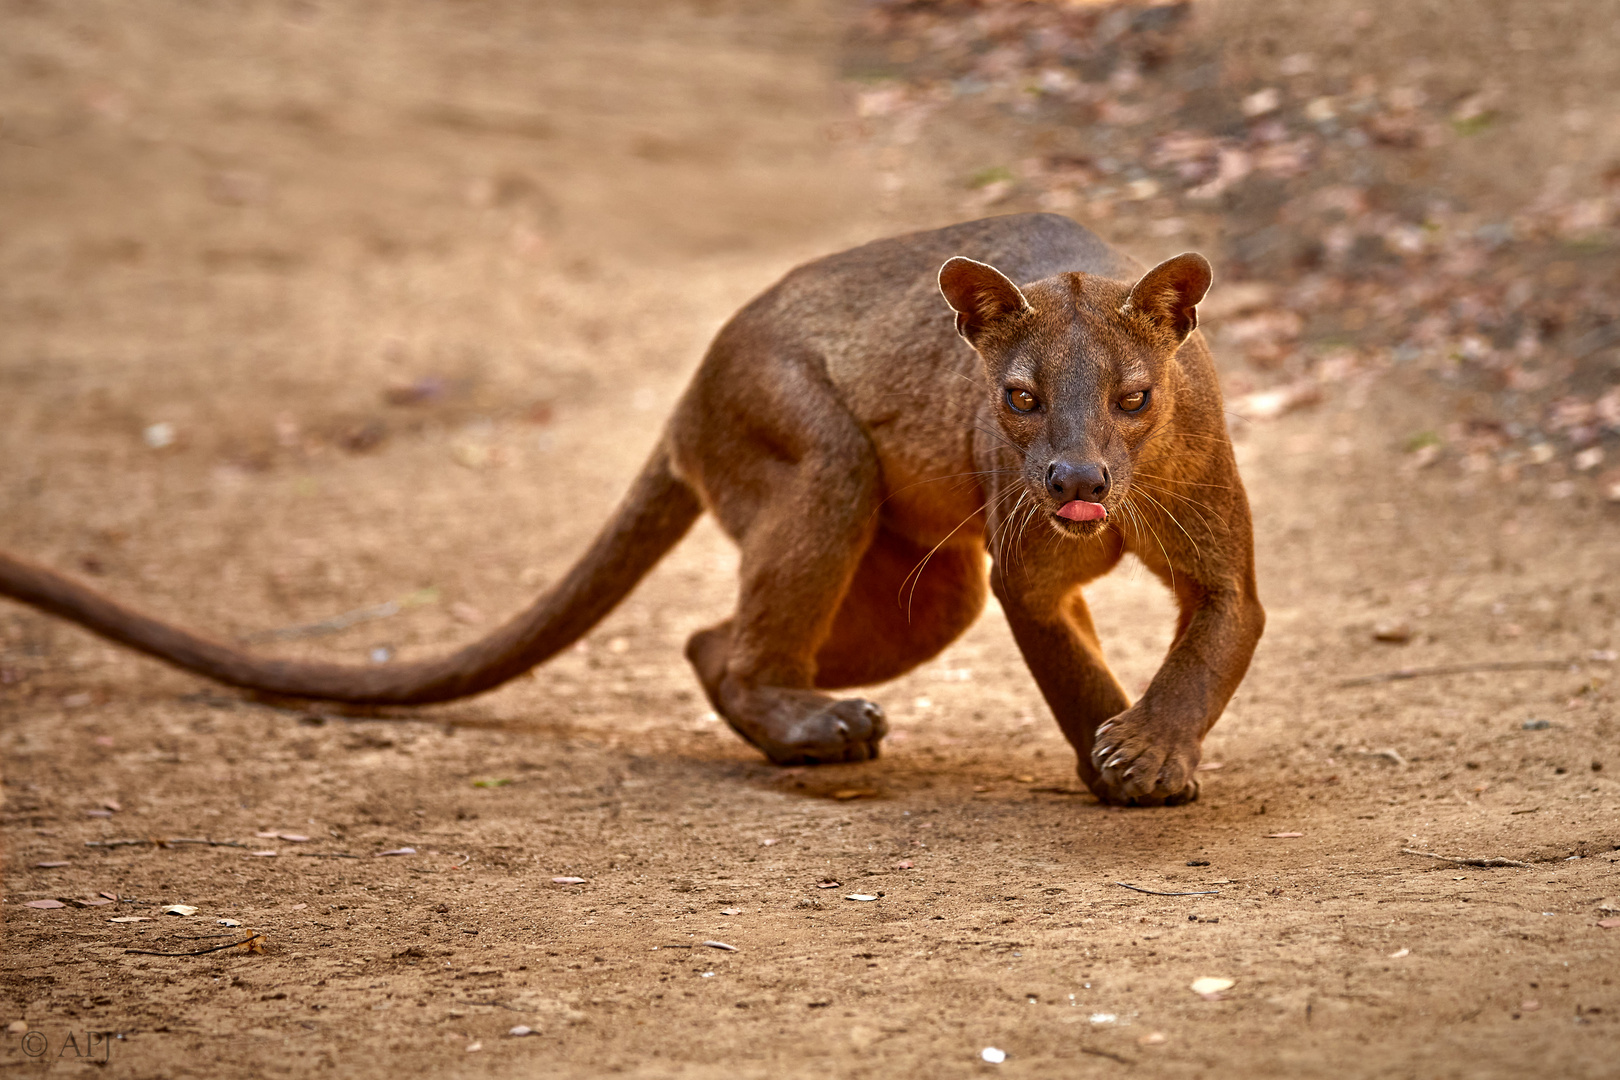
256, 232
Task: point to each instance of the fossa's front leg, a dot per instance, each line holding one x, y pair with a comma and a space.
1059, 643
1145, 753
1148, 753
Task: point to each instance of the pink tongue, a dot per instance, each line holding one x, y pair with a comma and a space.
1082, 511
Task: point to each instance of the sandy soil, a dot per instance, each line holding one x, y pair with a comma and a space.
411, 290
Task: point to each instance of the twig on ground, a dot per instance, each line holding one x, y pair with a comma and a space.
199, 952
1465, 861
1109, 1054
168, 842
1456, 669
325, 855
1156, 892
325, 626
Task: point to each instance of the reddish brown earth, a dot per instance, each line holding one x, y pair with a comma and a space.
413, 288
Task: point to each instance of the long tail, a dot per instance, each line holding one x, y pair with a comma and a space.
653, 517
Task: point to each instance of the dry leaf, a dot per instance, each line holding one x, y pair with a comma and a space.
1152, 1038
227, 922
1283, 835
51, 865
828, 883
568, 881
179, 909
721, 946
130, 918
1211, 985
1269, 404
854, 793
520, 1031
860, 896
731, 911
1398, 953
1609, 924
263, 854
397, 851
903, 864
44, 904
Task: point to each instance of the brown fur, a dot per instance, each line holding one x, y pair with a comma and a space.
865, 460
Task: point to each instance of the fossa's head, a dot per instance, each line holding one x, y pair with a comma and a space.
1082, 373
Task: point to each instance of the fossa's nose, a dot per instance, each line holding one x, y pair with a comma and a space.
1067, 481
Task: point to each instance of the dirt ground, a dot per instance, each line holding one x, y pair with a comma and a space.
318, 309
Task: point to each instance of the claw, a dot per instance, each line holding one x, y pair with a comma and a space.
1115, 761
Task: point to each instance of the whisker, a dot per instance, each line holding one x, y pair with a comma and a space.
1175, 521
1189, 483
918, 569
1192, 504
1155, 534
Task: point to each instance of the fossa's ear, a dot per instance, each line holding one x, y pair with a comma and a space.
1168, 294
979, 294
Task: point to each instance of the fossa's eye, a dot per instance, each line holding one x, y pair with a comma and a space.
1021, 400
1135, 402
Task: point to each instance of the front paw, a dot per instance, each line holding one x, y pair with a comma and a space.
1137, 761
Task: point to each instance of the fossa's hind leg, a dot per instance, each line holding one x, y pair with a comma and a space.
803, 526
893, 617
903, 607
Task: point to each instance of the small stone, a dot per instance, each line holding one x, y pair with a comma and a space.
1393, 633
